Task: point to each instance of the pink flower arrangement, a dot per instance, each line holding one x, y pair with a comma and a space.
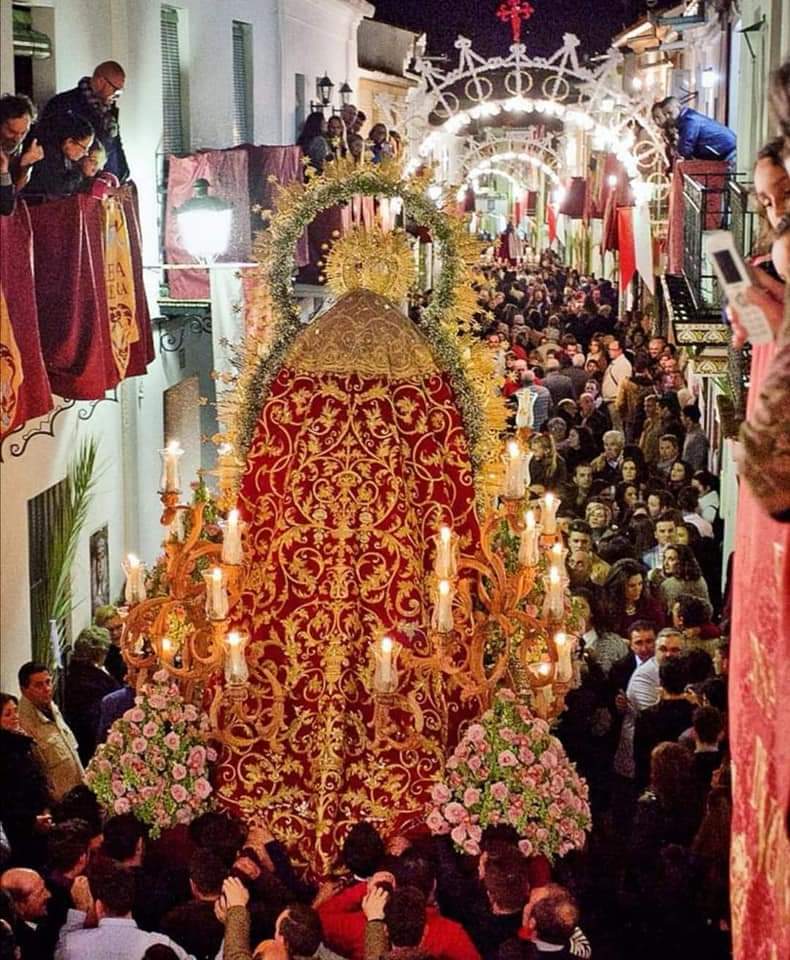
155, 762
508, 768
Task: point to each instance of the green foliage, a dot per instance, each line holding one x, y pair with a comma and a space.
54, 601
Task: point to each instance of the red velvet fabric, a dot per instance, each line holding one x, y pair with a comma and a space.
30, 397
626, 245
759, 721
71, 295
68, 243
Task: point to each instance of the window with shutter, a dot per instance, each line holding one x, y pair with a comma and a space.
173, 132
43, 517
242, 82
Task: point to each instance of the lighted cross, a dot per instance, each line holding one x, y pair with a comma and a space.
514, 11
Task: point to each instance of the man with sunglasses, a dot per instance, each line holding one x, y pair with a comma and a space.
96, 99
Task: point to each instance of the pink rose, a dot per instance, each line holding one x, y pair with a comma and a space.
211, 754
555, 811
139, 744
440, 793
557, 784
190, 713
454, 813
471, 847
475, 832
471, 796
118, 788
499, 791
436, 823
458, 833
115, 739
525, 755
178, 793
179, 771
157, 702
505, 694
127, 760
172, 740
525, 847
549, 759
161, 676
104, 766
452, 763
135, 715
202, 788
150, 729
183, 815
508, 735
122, 805
507, 759
197, 757
475, 763
476, 733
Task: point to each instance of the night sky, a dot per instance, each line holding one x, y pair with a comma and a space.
594, 21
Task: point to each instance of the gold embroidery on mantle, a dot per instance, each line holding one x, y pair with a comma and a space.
364, 334
10, 367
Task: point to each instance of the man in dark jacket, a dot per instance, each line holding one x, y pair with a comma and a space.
193, 924
87, 683
666, 721
95, 99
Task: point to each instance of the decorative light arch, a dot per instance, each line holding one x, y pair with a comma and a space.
543, 85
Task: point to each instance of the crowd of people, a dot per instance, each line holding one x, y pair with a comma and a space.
74, 146
342, 135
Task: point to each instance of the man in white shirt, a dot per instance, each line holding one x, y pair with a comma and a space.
117, 937
619, 368
644, 685
704, 483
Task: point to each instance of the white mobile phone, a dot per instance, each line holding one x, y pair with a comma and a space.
735, 281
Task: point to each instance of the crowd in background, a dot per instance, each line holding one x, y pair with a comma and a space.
341, 135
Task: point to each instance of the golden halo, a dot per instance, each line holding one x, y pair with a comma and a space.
371, 259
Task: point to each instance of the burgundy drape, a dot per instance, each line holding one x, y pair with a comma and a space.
573, 203
285, 164
712, 173
71, 295
142, 352
29, 397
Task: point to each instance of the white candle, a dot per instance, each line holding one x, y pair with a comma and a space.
543, 694
557, 555
231, 541
525, 416
216, 595
528, 552
443, 611
167, 649
135, 584
556, 600
562, 645
514, 483
548, 514
445, 555
235, 661
171, 455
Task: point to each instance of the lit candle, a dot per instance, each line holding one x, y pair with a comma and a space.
171, 455
528, 552
557, 555
135, 583
525, 416
231, 541
216, 594
555, 600
514, 474
541, 691
562, 645
548, 514
445, 554
235, 662
443, 610
167, 649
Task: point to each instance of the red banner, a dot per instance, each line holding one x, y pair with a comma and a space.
24, 387
760, 721
626, 245
71, 292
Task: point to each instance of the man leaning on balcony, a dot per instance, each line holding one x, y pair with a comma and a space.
698, 137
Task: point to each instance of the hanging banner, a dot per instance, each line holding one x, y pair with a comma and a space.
625, 244
643, 243
119, 283
551, 219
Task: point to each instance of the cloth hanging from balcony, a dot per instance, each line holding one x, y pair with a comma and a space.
227, 172
713, 174
643, 245
77, 327
119, 283
285, 164
24, 386
573, 204
760, 714
626, 246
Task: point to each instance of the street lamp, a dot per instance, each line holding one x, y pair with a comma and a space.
345, 94
204, 223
